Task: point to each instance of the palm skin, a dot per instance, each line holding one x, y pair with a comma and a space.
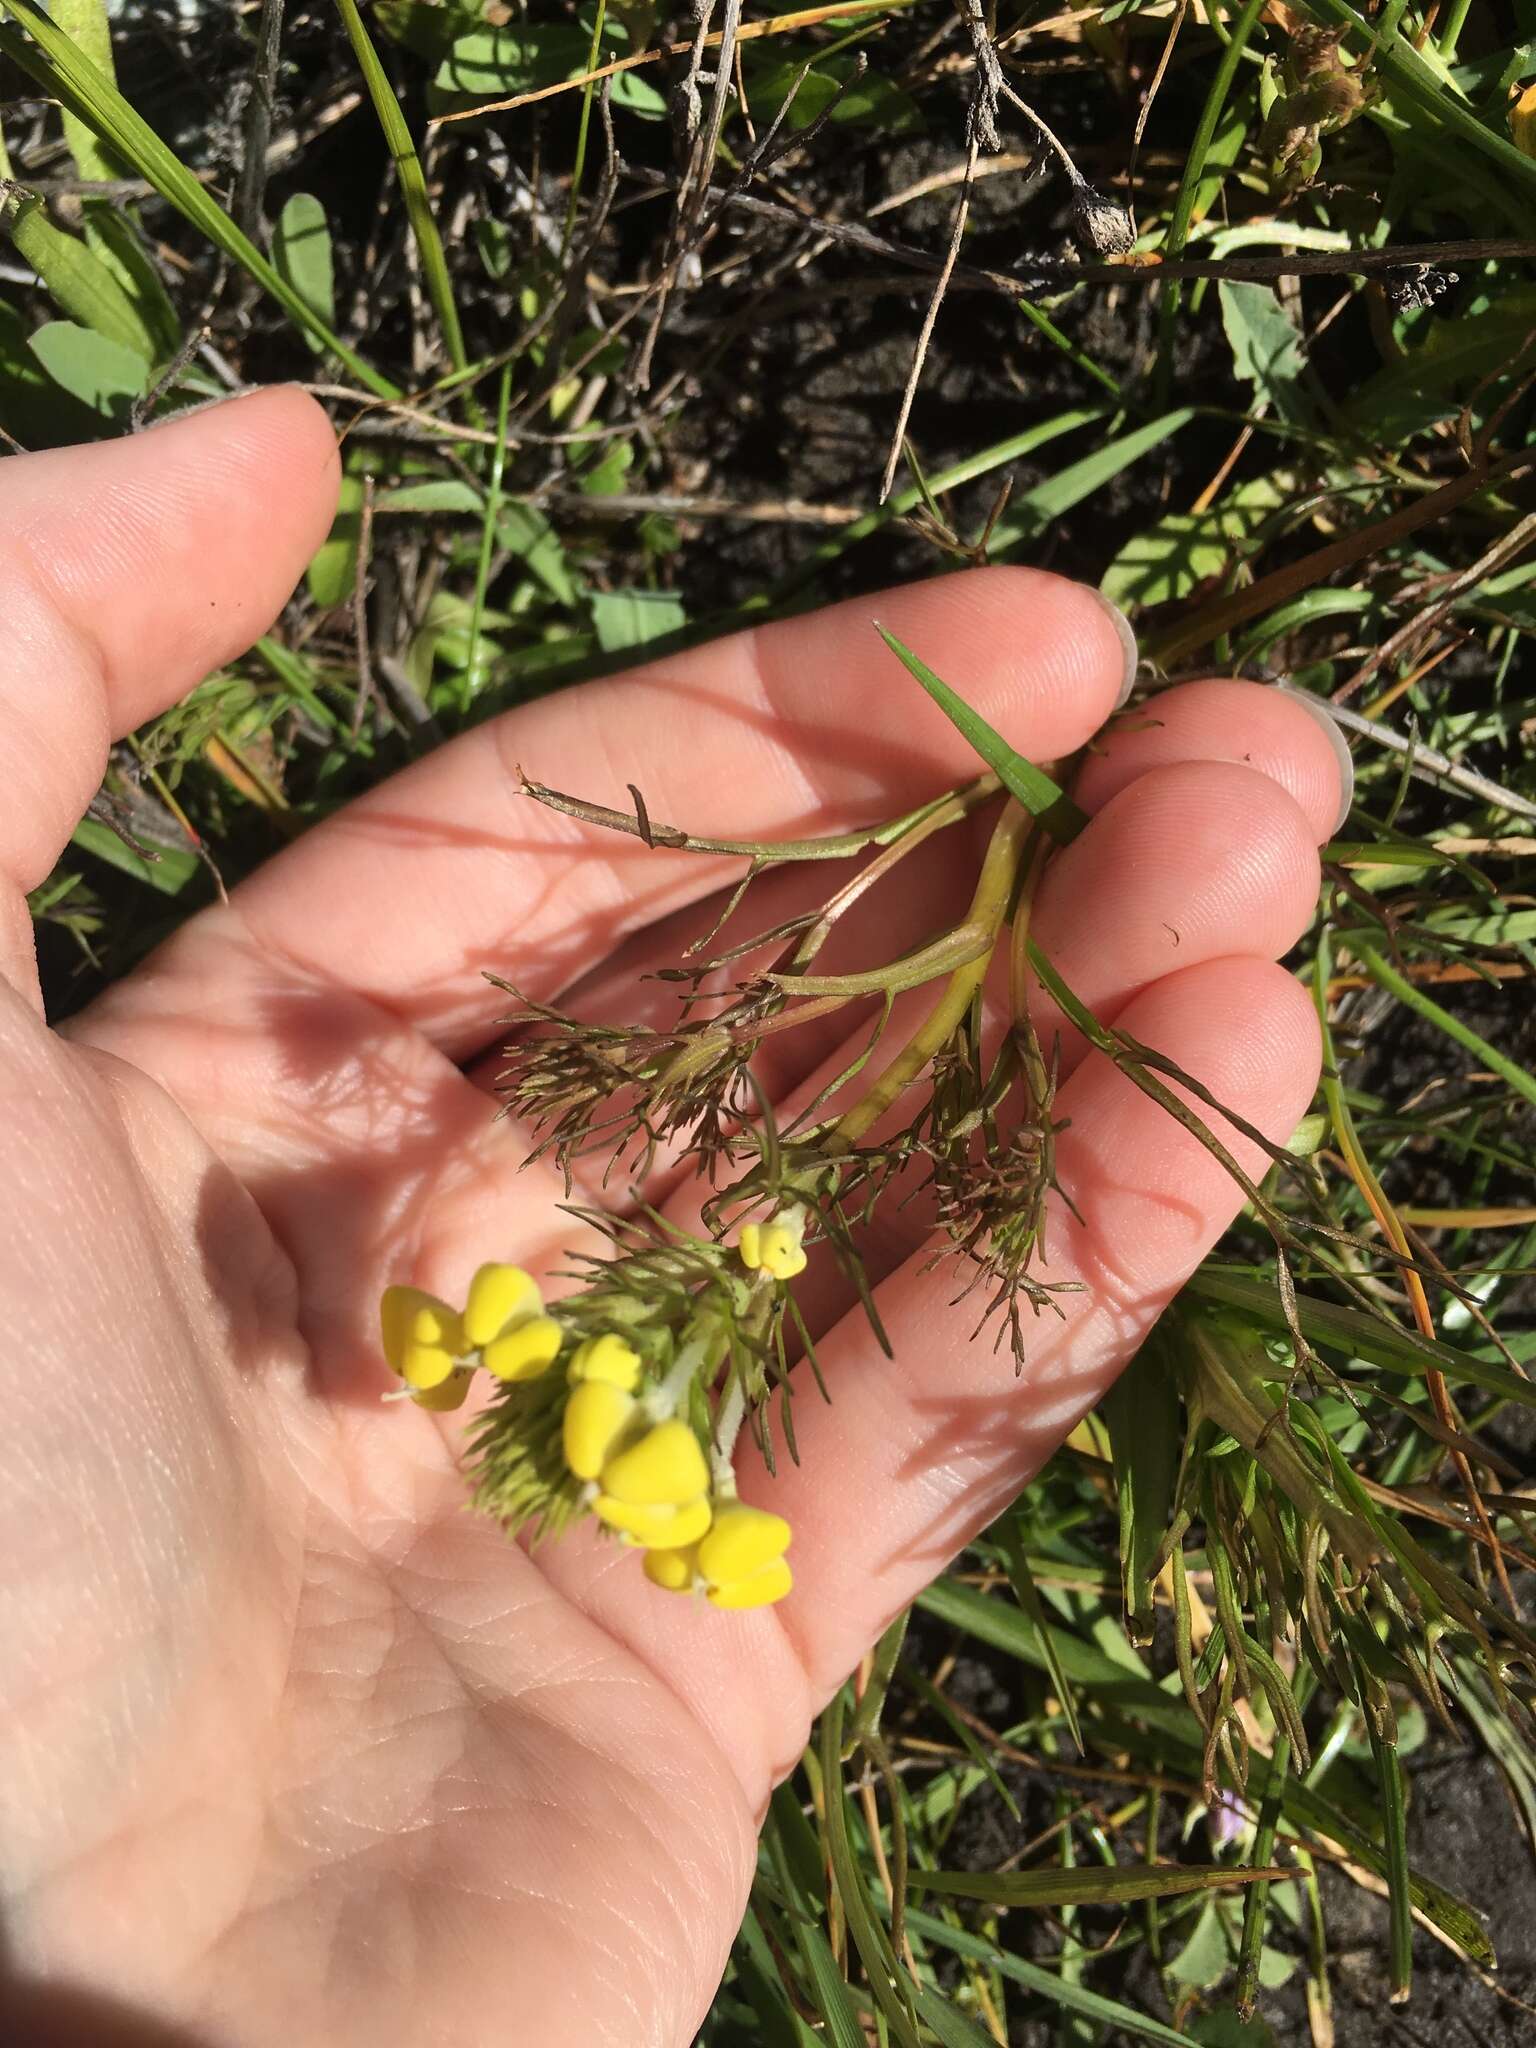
291, 1746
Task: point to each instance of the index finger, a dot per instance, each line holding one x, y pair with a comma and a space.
798, 729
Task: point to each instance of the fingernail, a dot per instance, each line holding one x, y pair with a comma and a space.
1128, 646
1346, 760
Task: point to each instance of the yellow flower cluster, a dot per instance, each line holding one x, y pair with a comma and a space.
645, 1474
653, 1488
435, 1348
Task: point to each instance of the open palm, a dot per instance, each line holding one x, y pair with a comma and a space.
291, 1747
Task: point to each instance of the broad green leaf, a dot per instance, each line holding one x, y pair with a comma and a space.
61, 69
499, 62
608, 473
1266, 346
872, 98
526, 533
1181, 551
32, 407
1208, 1953
428, 27
1088, 1885
100, 373
112, 235
332, 575
301, 249
1030, 785
80, 284
1225, 2029
630, 618
434, 494
169, 873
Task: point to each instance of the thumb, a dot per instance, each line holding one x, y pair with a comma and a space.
128, 570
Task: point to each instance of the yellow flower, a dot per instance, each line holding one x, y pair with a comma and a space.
423, 1336
742, 1558
596, 1416
758, 1589
773, 1247
500, 1297
452, 1393
665, 1468
654, 1528
607, 1358
670, 1569
1522, 122
740, 1563
525, 1351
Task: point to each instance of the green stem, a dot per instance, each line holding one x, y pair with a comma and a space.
413, 184
1455, 22
989, 908
1387, 977
582, 128
1189, 187
487, 540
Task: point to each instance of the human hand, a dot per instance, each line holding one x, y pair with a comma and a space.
293, 1746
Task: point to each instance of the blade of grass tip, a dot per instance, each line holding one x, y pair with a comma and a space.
928, 1692
866, 1719
1250, 1947
53, 61
1087, 1885
982, 463
1189, 185
1028, 785
1045, 1984
471, 683
1394, 1831
1027, 1593
413, 184
1387, 977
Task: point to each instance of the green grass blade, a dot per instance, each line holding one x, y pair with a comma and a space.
892, 1988
1340, 1328
413, 185
1027, 1593
1189, 185
1092, 2005
1033, 511
61, 70
1143, 1415
1389, 1771
1087, 1885
1387, 977
1029, 785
